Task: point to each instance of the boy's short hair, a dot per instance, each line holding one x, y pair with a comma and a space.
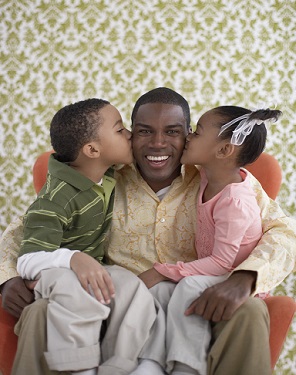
73, 126
166, 96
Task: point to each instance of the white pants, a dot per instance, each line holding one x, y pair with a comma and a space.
74, 320
188, 337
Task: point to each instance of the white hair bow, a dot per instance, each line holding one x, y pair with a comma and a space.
243, 129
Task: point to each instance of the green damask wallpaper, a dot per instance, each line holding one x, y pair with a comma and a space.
216, 52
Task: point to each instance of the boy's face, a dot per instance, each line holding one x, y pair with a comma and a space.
159, 132
114, 138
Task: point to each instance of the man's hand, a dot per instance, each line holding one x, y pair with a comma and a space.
152, 277
93, 277
220, 301
16, 295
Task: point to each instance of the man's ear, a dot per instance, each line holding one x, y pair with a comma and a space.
91, 150
225, 150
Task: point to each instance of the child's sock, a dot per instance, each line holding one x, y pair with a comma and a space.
182, 369
91, 371
148, 367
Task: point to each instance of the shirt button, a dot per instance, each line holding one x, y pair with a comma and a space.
162, 220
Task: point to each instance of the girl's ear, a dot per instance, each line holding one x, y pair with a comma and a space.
225, 150
91, 150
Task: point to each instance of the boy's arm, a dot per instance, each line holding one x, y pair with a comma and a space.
31, 264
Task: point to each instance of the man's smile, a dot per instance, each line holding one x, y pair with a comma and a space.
157, 158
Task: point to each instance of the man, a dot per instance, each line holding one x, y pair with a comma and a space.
154, 220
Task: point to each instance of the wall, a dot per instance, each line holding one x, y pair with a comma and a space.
213, 52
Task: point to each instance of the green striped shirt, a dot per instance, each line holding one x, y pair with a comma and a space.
70, 211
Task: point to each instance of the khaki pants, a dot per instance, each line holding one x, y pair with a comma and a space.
132, 320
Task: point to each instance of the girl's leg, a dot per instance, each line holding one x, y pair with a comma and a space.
188, 337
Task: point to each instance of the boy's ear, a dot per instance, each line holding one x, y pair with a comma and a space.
225, 150
91, 150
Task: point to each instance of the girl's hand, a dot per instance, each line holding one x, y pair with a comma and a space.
151, 277
93, 277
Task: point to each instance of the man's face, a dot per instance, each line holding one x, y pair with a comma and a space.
159, 132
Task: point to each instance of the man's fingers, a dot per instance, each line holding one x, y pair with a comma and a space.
197, 307
30, 284
191, 309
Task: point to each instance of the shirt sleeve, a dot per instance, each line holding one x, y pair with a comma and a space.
44, 226
232, 218
273, 259
30, 265
9, 249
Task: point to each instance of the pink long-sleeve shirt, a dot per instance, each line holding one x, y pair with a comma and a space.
228, 228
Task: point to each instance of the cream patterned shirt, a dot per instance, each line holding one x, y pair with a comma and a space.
146, 230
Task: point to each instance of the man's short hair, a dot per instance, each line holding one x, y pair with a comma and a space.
166, 96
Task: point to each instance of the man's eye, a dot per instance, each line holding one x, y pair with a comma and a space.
173, 132
144, 131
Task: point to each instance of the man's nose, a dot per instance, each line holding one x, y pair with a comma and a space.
158, 139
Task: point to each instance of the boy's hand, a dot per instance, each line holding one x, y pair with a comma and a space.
93, 277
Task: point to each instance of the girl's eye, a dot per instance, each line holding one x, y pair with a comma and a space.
120, 130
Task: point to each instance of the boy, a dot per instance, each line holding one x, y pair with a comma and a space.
70, 217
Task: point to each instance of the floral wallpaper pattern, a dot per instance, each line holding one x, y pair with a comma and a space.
212, 52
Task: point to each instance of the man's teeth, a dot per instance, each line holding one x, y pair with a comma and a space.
157, 158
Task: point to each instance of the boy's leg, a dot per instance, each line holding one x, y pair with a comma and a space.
188, 337
241, 345
32, 332
133, 320
74, 319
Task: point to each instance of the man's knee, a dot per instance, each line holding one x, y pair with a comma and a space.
254, 309
33, 313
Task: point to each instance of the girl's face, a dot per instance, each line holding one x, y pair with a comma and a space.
202, 145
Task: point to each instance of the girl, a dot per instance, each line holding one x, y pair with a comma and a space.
228, 227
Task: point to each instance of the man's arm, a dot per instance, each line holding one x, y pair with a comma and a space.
273, 259
16, 292
10, 243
